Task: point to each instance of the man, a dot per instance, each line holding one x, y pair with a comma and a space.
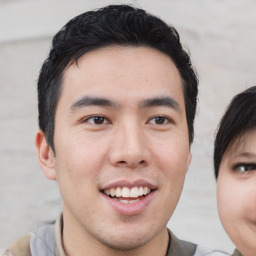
117, 99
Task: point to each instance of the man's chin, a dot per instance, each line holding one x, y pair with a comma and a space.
125, 242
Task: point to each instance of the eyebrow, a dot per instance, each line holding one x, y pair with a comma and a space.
147, 103
91, 101
246, 154
161, 101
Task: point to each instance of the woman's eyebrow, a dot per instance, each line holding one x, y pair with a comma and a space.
92, 101
161, 101
246, 154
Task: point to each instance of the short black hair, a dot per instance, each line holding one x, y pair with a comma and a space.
239, 118
122, 25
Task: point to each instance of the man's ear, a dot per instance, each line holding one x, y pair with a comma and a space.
45, 156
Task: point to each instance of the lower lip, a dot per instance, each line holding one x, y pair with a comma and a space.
130, 208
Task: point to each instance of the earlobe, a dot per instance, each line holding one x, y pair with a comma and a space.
45, 156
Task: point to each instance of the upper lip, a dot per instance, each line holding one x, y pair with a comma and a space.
130, 184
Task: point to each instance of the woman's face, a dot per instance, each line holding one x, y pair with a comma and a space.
236, 193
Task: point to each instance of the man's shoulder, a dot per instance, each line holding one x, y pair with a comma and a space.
237, 253
179, 247
20, 247
39, 243
204, 251
42, 242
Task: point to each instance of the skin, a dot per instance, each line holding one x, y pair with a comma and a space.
136, 140
237, 193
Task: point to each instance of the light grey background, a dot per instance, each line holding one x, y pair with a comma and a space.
221, 36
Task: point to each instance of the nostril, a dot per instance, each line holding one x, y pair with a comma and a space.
132, 164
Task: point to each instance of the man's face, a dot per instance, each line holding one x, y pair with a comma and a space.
121, 145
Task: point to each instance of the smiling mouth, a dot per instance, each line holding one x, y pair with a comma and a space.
127, 195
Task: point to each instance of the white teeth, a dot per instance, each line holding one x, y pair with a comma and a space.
107, 191
134, 192
123, 201
118, 192
145, 190
112, 192
141, 191
128, 202
126, 192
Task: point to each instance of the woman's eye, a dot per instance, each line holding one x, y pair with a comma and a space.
159, 120
242, 168
96, 120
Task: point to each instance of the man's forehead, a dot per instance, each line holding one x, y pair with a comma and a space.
88, 79
101, 54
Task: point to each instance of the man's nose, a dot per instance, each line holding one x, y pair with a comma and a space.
129, 148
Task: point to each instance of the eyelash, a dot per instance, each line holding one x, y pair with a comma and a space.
244, 167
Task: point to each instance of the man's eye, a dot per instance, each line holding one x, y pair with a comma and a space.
159, 120
242, 168
96, 120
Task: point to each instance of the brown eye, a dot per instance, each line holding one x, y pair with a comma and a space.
159, 120
97, 120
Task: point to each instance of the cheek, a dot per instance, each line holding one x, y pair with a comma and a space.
228, 209
227, 195
78, 160
173, 150
236, 197
173, 160
249, 203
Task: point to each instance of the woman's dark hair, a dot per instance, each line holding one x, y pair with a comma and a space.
112, 25
239, 118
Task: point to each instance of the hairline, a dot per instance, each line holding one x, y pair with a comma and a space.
239, 138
